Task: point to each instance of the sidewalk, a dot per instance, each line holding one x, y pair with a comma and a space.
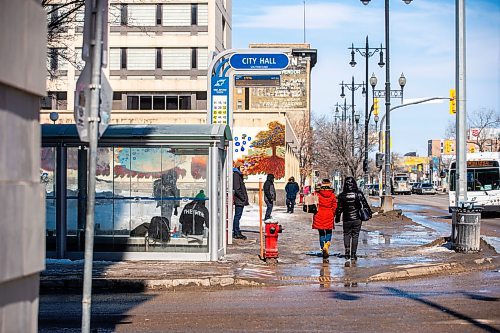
391, 247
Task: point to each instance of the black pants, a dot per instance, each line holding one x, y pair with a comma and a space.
290, 204
351, 236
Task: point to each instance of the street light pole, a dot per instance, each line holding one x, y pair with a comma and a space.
367, 52
352, 87
387, 187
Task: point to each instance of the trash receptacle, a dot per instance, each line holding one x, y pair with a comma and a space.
465, 231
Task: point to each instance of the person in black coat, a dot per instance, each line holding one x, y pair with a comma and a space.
240, 198
269, 195
195, 216
291, 189
349, 203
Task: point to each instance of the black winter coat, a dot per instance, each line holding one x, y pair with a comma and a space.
349, 204
269, 191
240, 195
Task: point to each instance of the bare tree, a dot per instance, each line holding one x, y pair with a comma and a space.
481, 123
61, 16
333, 142
304, 135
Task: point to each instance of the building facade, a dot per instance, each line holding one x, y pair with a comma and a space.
22, 241
157, 57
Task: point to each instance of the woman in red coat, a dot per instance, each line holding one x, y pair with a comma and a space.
323, 219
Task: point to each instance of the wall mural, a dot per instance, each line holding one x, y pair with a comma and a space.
262, 151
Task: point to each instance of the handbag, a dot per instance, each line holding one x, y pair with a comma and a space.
310, 204
364, 212
310, 209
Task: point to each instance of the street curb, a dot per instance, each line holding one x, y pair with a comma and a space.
409, 271
148, 284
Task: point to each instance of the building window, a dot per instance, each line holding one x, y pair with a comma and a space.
124, 15
115, 58
158, 58
202, 58
159, 102
203, 15
194, 58
132, 102
114, 15
158, 14
146, 102
176, 15
57, 59
176, 59
239, 104
194, 14
141, 15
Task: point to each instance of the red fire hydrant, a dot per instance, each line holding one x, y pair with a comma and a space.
272, 230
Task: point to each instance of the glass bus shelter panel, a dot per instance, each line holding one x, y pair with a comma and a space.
47, 178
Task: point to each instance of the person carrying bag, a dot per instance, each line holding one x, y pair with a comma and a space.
323, 218
354, 209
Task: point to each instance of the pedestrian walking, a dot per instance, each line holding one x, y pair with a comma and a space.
269, 195
323, 219
350, 202
240, 198
291, 189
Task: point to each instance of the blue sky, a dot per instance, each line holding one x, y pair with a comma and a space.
422, 46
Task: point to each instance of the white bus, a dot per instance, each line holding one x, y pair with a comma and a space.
483, 181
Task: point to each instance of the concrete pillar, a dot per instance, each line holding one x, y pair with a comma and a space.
22, 219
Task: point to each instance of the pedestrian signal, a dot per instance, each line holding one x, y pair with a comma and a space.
453, 101
420, 167
375, 106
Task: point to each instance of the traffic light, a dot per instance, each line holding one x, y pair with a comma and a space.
420, 167
447, 147
375, 106
453, 101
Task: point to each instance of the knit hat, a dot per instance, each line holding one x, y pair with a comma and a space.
201, 195
326, 183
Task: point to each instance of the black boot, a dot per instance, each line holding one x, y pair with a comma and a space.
347, 255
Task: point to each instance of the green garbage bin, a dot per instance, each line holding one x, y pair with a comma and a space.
466, 227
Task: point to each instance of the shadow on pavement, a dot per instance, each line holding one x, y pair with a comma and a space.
404, 294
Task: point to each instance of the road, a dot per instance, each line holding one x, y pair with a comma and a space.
437, 207
460, 303
455, 303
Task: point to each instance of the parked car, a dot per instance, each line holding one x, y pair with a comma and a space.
414, 187
426, 188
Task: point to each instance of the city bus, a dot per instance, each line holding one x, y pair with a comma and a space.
483, 181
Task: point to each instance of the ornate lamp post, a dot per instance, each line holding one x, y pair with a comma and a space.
387, 205
367, 52
352, 87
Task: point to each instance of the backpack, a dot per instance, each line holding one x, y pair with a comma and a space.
158, 230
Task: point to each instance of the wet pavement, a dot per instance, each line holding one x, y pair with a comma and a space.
391, 247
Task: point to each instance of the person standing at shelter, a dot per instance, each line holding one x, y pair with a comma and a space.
269, 195
291, 189
323, 219
350, 201
240, 198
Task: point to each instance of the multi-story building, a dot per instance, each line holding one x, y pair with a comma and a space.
158, 52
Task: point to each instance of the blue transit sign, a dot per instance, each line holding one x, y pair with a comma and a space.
259, 61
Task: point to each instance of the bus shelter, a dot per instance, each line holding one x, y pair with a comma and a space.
166, 176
